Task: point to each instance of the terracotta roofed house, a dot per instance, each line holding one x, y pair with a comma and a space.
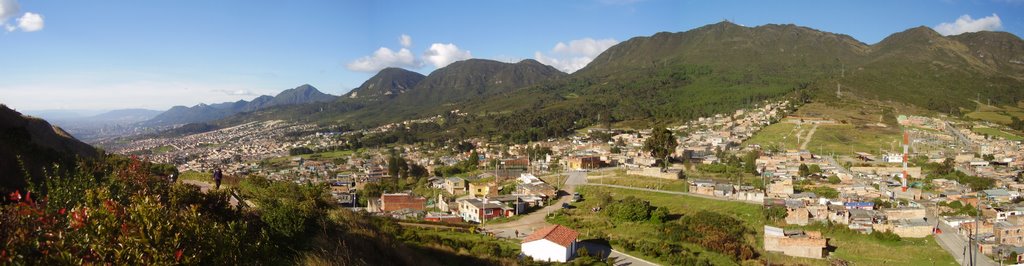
552, 243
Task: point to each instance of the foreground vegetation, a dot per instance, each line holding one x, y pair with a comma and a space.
125, 212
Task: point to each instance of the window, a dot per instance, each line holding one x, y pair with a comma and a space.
488, 212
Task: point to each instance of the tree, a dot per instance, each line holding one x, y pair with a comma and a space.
474, 159
750, 162
661, 144
946, 167
1016, 123
416, 170
803, 170
681, 174
834, 180
813, 169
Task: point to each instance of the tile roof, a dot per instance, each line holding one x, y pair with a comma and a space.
561, 235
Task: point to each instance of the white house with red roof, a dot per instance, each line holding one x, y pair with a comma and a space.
552, 243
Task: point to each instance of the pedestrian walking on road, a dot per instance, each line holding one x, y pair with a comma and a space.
217, 176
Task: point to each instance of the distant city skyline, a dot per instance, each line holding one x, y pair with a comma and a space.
131, 54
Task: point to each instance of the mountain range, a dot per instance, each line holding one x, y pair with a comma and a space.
209, 112
673, 77
668, 77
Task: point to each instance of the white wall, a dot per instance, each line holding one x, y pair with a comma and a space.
545, 250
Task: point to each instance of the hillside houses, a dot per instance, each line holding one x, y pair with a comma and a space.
797, 243
726, 191
724, 131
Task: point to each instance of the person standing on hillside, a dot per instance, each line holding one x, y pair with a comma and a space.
217, 176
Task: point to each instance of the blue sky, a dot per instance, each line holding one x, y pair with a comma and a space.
156, 54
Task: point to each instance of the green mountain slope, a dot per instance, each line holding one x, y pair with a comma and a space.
674, 77
38, 144
389, 82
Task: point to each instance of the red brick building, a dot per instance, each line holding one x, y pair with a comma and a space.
398, 201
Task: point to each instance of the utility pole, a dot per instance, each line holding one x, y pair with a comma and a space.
839, 90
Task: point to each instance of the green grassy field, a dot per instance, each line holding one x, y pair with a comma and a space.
327, 155
995, 114
591, 224
847, 139
163, 149
839, 139
779, 135
619, 177
996, 133
995, 117
864, 250
850, 246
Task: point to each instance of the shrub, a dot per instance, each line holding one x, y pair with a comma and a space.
714, 231
659, 215
775, 213
630, 209
887, 236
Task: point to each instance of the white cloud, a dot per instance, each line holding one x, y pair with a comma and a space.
438, 55
384, 58
574, 55
237, 92
8, 9
30, 22
405, 40
966, 24
441, 54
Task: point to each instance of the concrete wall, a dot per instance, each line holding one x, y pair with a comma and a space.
910, 231
915, 172
653, 172
904, 213
805, 247
545, 250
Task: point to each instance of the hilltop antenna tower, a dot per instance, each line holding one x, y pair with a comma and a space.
906, 156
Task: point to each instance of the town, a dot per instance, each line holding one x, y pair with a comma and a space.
939, 178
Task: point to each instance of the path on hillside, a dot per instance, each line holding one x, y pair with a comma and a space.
204, 187
807, 138
536, 220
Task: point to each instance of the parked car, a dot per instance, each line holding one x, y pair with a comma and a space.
576, 197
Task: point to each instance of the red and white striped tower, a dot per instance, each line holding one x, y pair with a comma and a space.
906, 156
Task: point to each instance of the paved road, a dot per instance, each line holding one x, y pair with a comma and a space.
955, 244
535, 220
963, 139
